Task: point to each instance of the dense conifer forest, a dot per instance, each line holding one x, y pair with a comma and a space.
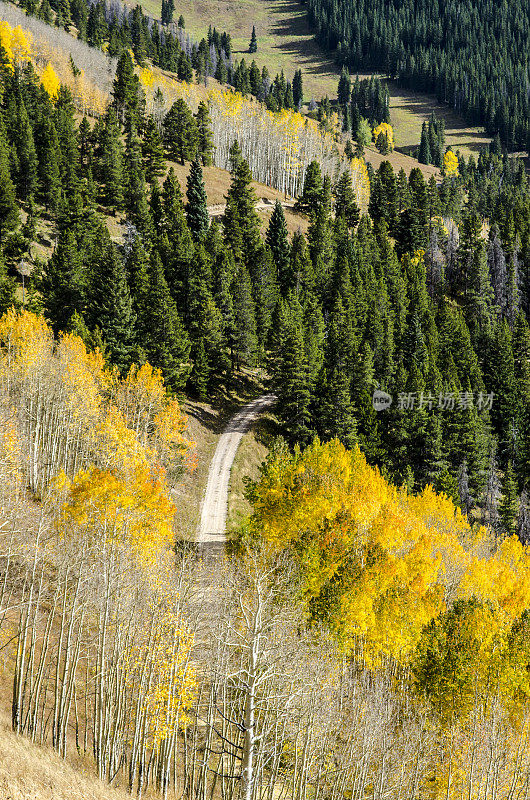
472, 54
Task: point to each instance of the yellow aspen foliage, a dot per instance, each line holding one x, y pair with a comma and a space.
21, 44
360, 182
82, 413
146, 77
10, 454
6, 33
379, 564
156, 419
169, 695
50, 81
450, 167
26, 342
132, 514
387, 131
16, 42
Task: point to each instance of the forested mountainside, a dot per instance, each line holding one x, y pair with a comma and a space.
113, 28
367, 636
425, 296
472, 54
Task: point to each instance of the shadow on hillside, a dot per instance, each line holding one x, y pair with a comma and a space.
206, 418
243, 387
422, 106
293, 24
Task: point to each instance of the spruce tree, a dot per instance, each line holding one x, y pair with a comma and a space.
311, 196
509, 505
137, 270
277, 240
289, 372
153, 151
64, 121
204, 135
223, 271
125, 87
111, 309
245, 341
9, 215
253, 46
424, 155
175, 243
241, 224
346, 207
165, 340
197, 206
499, 379
180, 132
8, 289
27, 162
136, 204
111, 162
344, 88
49, 173
63, 284
298, 89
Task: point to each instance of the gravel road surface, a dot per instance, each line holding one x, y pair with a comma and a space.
214, 507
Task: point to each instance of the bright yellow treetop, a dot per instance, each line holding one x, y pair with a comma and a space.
450, 163
387, 131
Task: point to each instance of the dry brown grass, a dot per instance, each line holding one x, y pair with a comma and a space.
30, 772
217, 184
400, 161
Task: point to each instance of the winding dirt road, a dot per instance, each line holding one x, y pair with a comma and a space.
261, 205
214, 507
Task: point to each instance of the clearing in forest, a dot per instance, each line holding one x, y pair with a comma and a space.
286, 41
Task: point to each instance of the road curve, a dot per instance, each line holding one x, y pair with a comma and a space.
214, 507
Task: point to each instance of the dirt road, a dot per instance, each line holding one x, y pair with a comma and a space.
213, 515
262, 205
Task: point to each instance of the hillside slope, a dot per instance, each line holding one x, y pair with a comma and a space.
30, 772
286, 42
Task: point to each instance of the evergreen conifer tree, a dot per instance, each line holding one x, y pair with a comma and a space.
27, 162
253, 46
289, 371
197, 205
63, 284
345, 206
245, 340
153, 151
204, 135
111, 310
165, 340
9, 215
125, 88
277, 240
298, 88
49, 173
424, 155
311, 196
8, 289
111, 162
180, 132
509, 504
